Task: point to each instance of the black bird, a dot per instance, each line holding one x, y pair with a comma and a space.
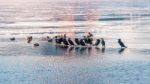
97, 42
70, 41
121, 43
36, 44
103, 42
60, 40
12, 39
89, 41
50, 40
85, 39
29, 39
65, 42
77, 41
82, 42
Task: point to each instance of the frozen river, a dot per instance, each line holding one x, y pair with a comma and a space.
21, 63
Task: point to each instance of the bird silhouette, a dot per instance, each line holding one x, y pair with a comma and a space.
121, 44
70, 41
103, 42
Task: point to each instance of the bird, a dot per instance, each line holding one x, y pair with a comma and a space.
36, 44
29, 39
65, 42
97, 42
121, 44
50, 40
103, 42
77, 41
12, 39
70, 41
82, 42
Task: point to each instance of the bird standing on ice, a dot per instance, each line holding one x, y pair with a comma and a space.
121, 43
103, 42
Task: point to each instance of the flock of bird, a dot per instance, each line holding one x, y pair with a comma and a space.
64, 41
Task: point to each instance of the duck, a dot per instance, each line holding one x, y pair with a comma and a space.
36, 44
12, 39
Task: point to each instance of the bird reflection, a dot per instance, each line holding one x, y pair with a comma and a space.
98, 49
103, 50
71, 49
61, 49
83, 50
89, 50
121, 50
77, 49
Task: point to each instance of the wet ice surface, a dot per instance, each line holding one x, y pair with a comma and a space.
48, 64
